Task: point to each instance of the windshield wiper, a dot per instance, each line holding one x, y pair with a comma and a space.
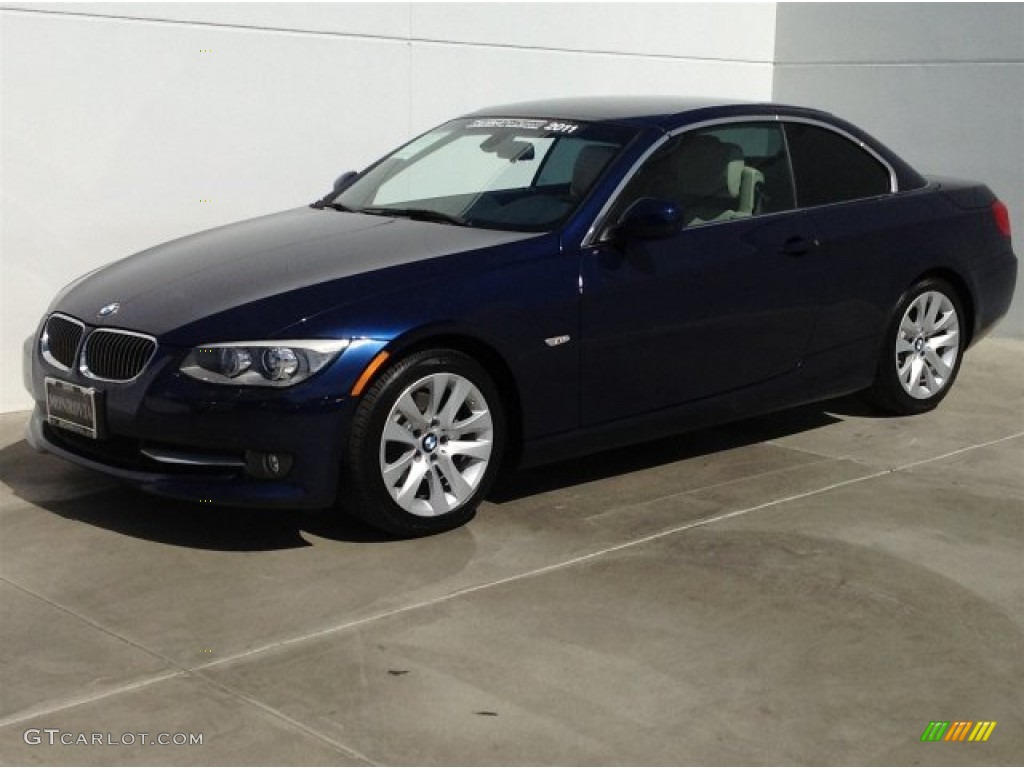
417, 214
320, 205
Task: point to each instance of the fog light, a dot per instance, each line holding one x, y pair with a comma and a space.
267, 466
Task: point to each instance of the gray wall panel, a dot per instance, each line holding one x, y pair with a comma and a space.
942, 85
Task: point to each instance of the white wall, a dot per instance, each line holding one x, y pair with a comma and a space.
940, 84
118, 127
119, 131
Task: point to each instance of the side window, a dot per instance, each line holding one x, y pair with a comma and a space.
725, 172
829, 168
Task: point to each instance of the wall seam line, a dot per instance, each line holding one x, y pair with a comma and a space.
410, 38
921, 63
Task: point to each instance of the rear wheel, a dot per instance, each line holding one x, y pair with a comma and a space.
922, 351
426, 444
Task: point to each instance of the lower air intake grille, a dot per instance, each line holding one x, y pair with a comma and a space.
60, 340
116, 355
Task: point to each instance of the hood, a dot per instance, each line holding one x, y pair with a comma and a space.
185, 281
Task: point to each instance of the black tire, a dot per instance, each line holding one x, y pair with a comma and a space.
365, 493
888, 392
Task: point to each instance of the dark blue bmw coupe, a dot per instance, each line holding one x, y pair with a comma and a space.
529, 281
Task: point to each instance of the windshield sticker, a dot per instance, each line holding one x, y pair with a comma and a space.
561, 127
505, 122
521, 124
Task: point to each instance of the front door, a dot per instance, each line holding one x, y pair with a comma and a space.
711, 310
727, 303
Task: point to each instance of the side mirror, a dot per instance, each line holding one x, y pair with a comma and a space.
650, 219
342, 182
340, 185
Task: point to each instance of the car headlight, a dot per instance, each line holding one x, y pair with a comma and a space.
261, 363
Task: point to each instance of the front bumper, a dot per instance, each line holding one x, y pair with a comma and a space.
151, 423
216, 485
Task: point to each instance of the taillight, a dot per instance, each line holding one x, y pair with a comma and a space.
1002, 217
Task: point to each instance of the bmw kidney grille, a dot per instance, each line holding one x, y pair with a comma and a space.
107, 353
60, 340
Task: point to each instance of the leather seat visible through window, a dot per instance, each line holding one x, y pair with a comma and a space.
708, 176
751, 190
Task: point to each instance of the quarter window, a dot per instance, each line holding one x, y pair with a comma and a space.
829, 168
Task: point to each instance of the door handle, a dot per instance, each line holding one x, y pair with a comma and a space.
799, 245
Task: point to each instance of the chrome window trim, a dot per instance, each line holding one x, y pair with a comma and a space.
44, 339
789, 165
84, 369
598, 225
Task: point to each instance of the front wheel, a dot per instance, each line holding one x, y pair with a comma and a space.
922, 350
426, 444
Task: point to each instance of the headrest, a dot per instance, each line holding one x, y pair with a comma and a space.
589, 163
707, 167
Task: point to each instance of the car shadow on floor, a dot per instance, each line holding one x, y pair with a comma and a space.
131, 512
186, 524
517, 484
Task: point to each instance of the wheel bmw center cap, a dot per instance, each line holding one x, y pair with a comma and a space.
430, 443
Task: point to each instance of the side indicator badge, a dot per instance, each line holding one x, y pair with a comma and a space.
367, 374
555, 341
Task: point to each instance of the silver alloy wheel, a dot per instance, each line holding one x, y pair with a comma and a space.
436, 444
927, 345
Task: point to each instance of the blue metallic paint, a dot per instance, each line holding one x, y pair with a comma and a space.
710, 325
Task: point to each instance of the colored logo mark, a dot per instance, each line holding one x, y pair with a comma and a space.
958, 730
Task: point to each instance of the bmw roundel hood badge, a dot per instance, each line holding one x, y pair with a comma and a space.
110, 309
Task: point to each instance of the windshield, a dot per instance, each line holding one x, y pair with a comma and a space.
496, 173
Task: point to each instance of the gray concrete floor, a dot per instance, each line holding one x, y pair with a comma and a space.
812, 587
